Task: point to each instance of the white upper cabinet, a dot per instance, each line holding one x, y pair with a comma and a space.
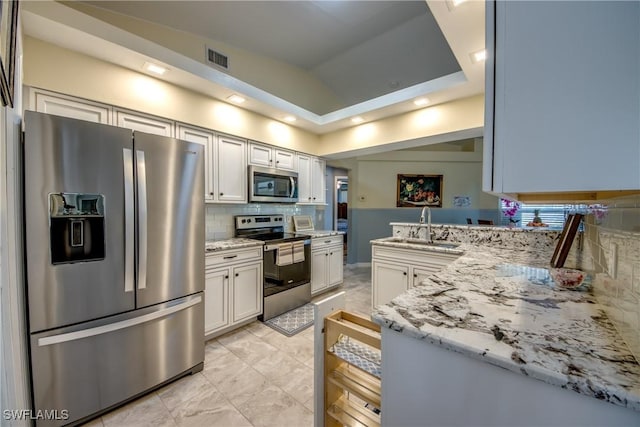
311, 180
271, 157
144, 123
562, 97
231, 170
206, 139
66, 106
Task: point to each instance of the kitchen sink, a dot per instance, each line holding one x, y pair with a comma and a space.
422, 242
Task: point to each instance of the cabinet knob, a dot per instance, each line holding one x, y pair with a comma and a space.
309, 198
277, 161
326, 254
211, 194
237, 274
222, 194
404, 272
314, 198
226, 277
415, 275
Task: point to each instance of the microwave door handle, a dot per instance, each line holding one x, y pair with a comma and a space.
142, 219
293, 187
127, 161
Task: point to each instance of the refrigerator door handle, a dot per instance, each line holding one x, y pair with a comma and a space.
127, 160
142, 219
111, 327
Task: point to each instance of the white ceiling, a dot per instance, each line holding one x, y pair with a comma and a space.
375, 56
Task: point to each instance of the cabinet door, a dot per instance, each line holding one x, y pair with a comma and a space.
565, 108
388, 281
72, 108
335, 265
142, 123
231, 166
418, 274
260, 155
285, 159
318, 178
319, 265
216, 300
247, 291
304, 179
206, 139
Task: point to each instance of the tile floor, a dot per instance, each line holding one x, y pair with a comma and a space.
253, 376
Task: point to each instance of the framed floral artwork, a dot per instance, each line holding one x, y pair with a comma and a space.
419, 190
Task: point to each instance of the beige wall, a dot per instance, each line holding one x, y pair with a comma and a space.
375, 177
458, 119
50, 67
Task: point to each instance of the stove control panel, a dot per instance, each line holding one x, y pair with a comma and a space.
258, 221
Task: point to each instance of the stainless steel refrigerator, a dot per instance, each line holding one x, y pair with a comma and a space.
114, 241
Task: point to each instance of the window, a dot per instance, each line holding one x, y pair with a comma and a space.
552, 215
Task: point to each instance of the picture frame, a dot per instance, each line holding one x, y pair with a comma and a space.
8, 29
419, 190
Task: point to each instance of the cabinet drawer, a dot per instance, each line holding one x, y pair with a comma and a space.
323, 242
232, 256
408, 256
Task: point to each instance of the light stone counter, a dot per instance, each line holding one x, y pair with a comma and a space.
319, 233
232, 243
498, 305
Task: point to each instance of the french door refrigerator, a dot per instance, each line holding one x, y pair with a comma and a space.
114, 249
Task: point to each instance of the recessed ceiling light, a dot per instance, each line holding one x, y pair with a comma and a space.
421, 101
479, 56
357, 120
236, 99
289, 119
155, 69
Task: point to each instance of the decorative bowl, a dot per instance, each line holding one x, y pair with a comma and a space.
567, 278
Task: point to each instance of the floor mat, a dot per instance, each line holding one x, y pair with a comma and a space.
294, 321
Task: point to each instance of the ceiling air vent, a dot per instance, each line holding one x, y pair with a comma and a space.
217, 59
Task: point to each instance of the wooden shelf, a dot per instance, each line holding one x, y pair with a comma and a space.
347, 413
348, 388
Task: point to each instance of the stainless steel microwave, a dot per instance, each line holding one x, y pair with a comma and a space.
272, 185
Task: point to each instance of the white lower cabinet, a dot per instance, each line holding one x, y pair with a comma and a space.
233, 289
326, 263
395, 270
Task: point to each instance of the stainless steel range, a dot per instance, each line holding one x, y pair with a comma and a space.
287, 262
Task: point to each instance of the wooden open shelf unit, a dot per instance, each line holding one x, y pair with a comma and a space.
349, 391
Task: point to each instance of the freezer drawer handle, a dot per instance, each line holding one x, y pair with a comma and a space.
142, 219
127, 160
104, 329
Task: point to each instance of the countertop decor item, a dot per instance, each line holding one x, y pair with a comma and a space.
566, 240
567, 278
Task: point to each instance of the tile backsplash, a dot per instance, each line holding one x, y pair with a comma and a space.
613, 235
219, 218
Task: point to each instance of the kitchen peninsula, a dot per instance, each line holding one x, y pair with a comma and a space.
490, 340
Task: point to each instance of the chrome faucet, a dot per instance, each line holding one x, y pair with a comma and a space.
428, 209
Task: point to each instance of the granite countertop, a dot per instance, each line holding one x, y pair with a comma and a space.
232, 243
498, 305
319, 233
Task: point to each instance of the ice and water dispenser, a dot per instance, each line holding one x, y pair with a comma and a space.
76, 227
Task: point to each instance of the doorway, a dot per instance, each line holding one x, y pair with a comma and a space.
340, 207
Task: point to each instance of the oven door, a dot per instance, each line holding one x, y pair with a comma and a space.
279, 278
272, 185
